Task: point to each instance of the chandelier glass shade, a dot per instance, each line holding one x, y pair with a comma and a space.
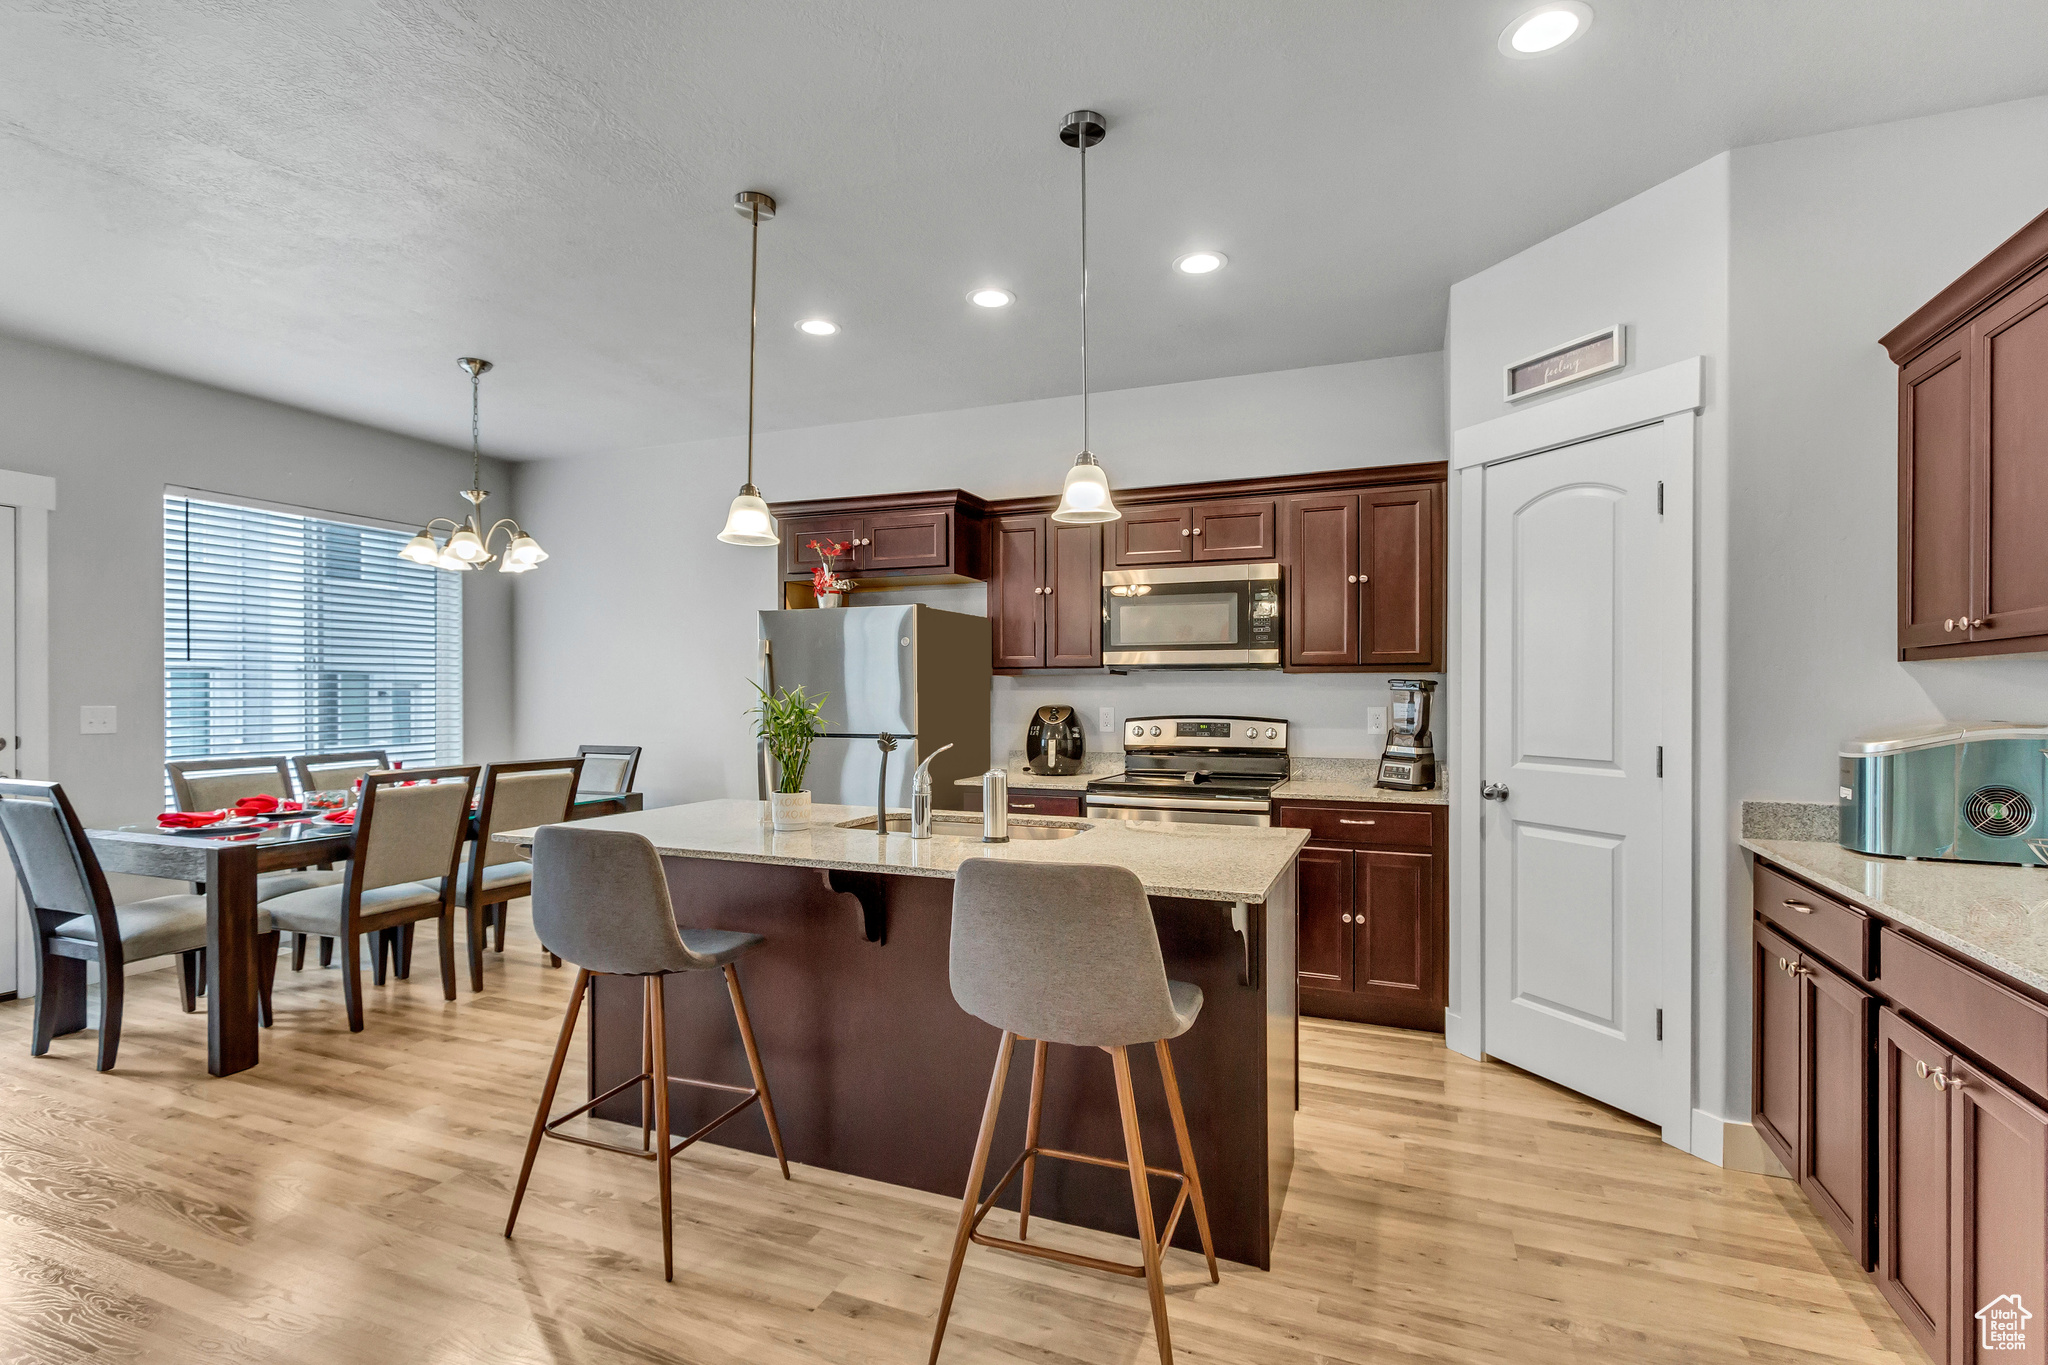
468, 545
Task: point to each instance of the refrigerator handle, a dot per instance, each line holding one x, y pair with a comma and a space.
763, 778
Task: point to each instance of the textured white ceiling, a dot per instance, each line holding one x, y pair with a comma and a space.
325, 202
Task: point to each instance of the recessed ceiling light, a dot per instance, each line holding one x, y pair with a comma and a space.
1545, 29
1200, 262
992, 298
817, 327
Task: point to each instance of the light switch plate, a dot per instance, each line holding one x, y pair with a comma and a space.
1105, 719
95, 720
1375, 720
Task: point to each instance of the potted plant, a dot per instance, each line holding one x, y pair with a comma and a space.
829, 588
787, 722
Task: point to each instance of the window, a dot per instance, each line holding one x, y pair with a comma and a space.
290, 634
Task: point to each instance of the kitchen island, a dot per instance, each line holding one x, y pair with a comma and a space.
874, 1069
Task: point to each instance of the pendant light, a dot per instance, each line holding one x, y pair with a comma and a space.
1085, 496
469, 546
748, 522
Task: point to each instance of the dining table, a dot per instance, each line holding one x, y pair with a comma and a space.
228, 863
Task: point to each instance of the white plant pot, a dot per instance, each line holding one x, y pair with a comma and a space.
790, 810
830, 599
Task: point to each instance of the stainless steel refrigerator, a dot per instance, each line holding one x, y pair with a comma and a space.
914, 672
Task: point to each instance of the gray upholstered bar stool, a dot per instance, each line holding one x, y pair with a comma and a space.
1069, 954
600, 900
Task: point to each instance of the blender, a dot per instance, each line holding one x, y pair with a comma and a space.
1409, 763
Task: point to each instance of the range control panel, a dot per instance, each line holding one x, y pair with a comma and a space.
1261, 733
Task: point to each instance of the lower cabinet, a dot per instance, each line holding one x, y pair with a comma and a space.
1931, 1166
1372, 920
1031, 801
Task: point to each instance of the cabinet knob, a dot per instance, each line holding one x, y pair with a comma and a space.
1945, 1082
1347, 919
1352, 579
1949, 623
1920, 1070
1198, 530
1781, 964
1364, 579
1801, 969
1979, 624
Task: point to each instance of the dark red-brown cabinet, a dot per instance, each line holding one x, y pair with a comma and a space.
1907, 1090
1045, 596
1373, 914
1973, 458
917, 537
1365, 580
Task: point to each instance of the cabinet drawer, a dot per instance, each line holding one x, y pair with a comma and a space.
1838, 932
1979, 1015
1044, 803
1363, 825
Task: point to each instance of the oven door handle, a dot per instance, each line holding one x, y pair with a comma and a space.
1170, 803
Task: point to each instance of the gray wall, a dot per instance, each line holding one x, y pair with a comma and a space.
113, 437
642, 628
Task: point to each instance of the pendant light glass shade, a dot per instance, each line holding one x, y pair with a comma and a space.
524, 552
421, 549
1086, 497
747, 521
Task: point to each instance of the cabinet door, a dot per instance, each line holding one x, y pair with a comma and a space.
1324, 932
919, 539
1016, 592
1397, 588
2009, 376
1934, 497
1394, 930
1153, 535
1073, 604
1041, 803
1238, 530
1998, 1219
1321, 548
1774, 1032
1913, 1181
798, 532
1834, 1102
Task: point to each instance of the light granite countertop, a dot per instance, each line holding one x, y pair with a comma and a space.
1988, 912
1310, 779
1195, 862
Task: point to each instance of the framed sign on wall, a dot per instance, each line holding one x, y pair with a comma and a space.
1580, 358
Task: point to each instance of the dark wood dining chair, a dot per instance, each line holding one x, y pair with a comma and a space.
410, 827
216, 784
338, 772
76, 921
522, 795
608, 769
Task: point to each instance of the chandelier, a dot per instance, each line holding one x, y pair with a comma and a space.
468, 546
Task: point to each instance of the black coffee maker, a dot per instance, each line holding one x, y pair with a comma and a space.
1054, 745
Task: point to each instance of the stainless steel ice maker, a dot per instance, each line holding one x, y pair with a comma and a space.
1969, 792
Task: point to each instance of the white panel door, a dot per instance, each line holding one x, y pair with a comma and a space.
1573, 677
17, 972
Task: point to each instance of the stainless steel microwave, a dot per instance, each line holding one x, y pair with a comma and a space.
1202, 616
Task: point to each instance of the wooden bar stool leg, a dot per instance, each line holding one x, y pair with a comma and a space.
976, 1174
1141, 1196
647, 1070
547, 1093
739, 1012
1187, 1155
657, 1004
1038, 1049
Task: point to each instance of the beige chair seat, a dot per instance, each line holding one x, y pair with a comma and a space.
495, 875
271, 885
317, 910
152, 928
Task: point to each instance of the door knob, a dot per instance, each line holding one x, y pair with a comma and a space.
1493, 791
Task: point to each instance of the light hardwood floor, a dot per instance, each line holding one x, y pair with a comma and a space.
344, 1203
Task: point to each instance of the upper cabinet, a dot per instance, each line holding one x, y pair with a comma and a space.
1239, 529
1365, 578
1045, 594
1973, 458
937, 537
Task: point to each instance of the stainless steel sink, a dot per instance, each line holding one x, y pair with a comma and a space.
947, 826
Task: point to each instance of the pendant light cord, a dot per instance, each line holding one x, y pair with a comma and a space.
753, 325
476, 455
1084, 290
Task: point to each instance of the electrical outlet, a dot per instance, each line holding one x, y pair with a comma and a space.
95, 720
1105, 720
1375, 720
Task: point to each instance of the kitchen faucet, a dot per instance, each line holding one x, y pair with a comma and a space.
886, 742
921, 796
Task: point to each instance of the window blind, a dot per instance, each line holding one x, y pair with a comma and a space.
293, 634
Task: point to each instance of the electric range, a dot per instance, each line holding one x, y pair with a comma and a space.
1214, 770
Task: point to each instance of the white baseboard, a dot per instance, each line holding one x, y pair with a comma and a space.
1733, 1145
